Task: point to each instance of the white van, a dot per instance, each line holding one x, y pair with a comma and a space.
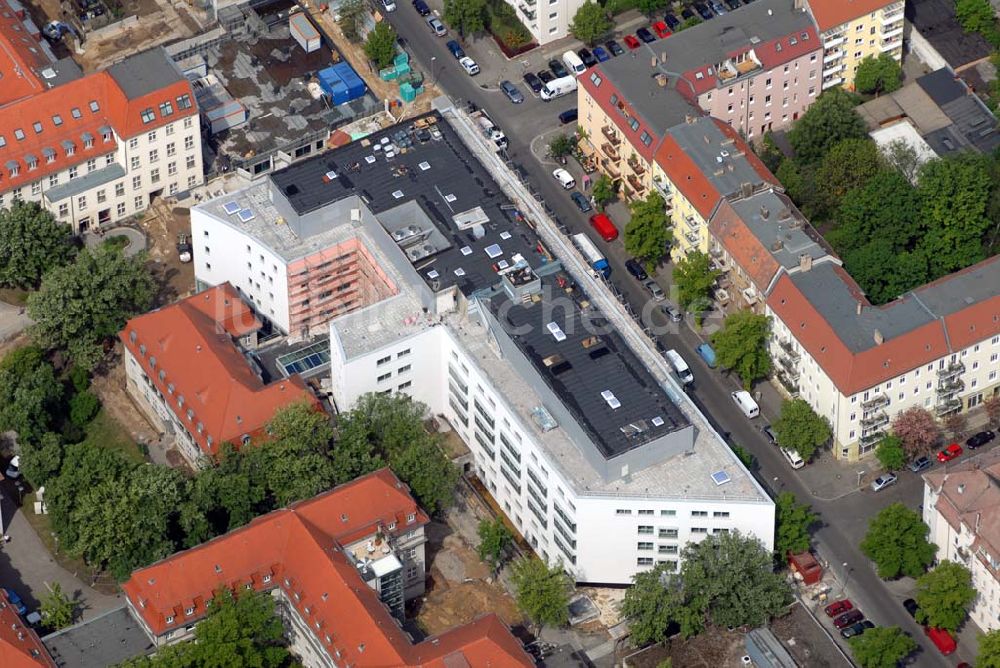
681, 368
491, 131
794, 460
573, 63
558, 88
746, 403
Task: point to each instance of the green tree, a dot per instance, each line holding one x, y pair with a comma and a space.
989, 650
944, 595
694, 278
878, 75
561, 145
295, 462
656, 600
799, 428
542, 592
352, 18
649, 7
647, 234
741, 345
954, 193
976, 16
30, 394
890, 453
850, 163
494, 540
829, 120
428, 472
897, 542
793, 521
41, 460
590, 22
84, 303
83, 407
57, 610
885, 273
886, 208
604, 191
32, 241
731, 577
882, 647
903, 157
466, 16
769, 152
690, 23
380, 45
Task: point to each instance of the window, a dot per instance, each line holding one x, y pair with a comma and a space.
383, 360
171, 168
189, 163
644, 561
644, 546
403, 369
721, 513
667, 549
645, 530
134, 162
102, 196
63, 210
699, 513
133, 143
119, 189
645, 512
154, 155
189, 143
120, 209
187, 123
623, 511
184, 102
170, 619
151, 137
401, 353
154, 176
147, 115
81, 202
699, 530
668, 513
136, 182
189, 611
171, 149
384, 377
140, 203
166, 109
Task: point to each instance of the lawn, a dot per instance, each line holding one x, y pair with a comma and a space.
106, 432
14, 296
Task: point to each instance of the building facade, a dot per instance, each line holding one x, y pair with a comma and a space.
853, 31
546, 20
962, 509
100, 148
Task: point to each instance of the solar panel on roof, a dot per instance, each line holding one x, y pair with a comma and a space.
230, 207
720, 477
432, 274
505, 235
246, 215
494, 251
397, 194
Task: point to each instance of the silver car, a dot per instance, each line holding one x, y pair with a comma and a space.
883, 481
671, 312
436, 26
655, 290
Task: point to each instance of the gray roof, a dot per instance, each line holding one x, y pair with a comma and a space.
103, 641
145, 73
935, 21
715, 155
973, 125
661, 107
796, 235
62, 71
84, 183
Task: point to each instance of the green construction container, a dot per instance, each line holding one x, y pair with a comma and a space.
401, 59
388, 74
402, 69
407, 92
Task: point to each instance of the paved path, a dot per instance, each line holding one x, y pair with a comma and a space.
13, 320
136, 239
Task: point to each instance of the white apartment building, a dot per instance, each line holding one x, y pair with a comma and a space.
546, 20
962, 510
602, 464
99, 148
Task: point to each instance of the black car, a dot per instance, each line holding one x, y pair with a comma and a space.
980, 439
421, 7
857, 629
686, 14
635, 268
911, 607
533, 82
732, 4
672, 22
545, 76
645, 35
703, 11
581, 202
614, 47
558, 68
568, 116
587, 57
768, 432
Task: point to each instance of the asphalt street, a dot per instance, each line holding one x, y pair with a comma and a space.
845, 519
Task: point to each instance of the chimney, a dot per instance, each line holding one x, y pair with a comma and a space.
879, 339
662, 79
777, 245
746, 189
961, 489
860, 307
805, 262
764, 213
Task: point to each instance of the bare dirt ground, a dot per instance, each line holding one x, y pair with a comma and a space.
162, 223
714, 648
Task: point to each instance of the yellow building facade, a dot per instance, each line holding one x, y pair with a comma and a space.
853, 31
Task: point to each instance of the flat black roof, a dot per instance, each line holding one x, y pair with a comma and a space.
935, 21
973, 124
443, 177
106, 640
587, 363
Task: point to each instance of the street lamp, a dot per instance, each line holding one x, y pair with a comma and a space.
847, 577
433, 71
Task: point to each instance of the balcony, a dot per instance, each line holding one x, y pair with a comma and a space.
833, 41
869, 438
790, 368
789, 349
788, 383
951, 371
874, 420
831, 82
611, 135
528, 13
894, 32
611, 168
835, 54
948, 407
637, 185
636, 166
834, 69
891, 45
610, 151
889, 19
562, 516
949, 386
878, 401
692, 239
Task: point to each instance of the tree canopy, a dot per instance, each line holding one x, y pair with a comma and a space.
989, 650
81, 304
799, 428
976, 16
890, 453
878, 75
380, 45
741, 345
494, 539
647, 234
694, 278
57, 610
917, 429
30, 394
882, 647
850, 163
655, 601
604, 191
944, 595
897, 542
466, 16
561, 145
542, 592
590, 22
793, 520
32, 241
829, 120
352, 16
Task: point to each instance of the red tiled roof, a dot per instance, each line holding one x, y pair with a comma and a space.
686, 177
20, 56
832, 13
299, 548
192, 346
743, 245
19, 646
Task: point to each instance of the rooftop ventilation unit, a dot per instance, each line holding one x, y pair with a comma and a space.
612, 400
419, 252
556, 331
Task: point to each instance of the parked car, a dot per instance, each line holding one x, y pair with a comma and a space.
421, 7
942, 639
614, 48
919, 464
733, 4
568, 116
686, 14
717, 7
848, 618
631, 42
672, 312
838, 607
533, 82
672, 21
645, 35
706, 352
911, 607
558, 68
883, 481
582, 203
587, 57
769, 434
14, 468
661, 29
436, 26
469, 65
545, 76
601, 54
390, 5
564, 178
654, 289
980, 439
856, 629
703, 11
512, 92
949, 453
16, 601
793, 457
456, 49
634, 267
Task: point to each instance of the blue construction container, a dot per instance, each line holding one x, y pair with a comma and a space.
341, 83
355, 85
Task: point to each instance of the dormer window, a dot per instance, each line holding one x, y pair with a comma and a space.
170, 619
184, 102
32, 162
148, 115
267, 578
246, 439
411, 518
166, 109
392, 525
188, 611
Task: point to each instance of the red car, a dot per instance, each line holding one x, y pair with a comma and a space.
944, 641
838, 607
661, 29
949, 453
632, 42
848, 618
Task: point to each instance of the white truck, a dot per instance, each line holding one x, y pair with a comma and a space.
558, 88
492, 132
